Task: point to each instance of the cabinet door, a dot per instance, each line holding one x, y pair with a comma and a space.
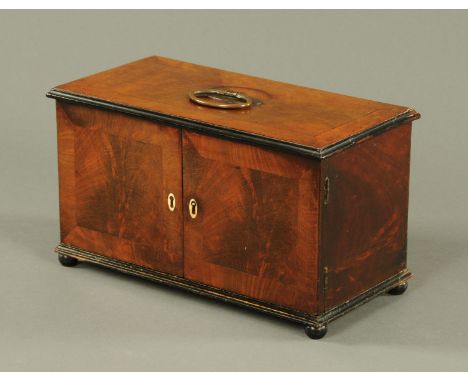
256, 226
116, 173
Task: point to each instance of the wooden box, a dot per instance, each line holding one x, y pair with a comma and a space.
285, 199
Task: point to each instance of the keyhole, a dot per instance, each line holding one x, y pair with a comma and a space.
171, 201
193, 208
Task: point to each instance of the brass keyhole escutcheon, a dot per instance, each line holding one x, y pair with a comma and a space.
193, 208
171, 202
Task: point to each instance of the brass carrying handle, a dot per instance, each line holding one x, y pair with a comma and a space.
221, 98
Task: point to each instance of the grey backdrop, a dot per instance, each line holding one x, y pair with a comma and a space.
84, 318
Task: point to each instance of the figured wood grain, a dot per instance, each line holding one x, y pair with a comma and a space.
303, 116
302, 199
115, 175
364, 223
256, 232
66, 172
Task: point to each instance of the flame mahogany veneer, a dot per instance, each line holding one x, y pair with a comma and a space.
295, 206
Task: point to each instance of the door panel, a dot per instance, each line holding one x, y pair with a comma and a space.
255, 232
116, 173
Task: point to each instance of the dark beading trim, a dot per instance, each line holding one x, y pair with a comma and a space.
236, 135
223, 295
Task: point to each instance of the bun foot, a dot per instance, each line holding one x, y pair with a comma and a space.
399, 289
67, 261
316, 332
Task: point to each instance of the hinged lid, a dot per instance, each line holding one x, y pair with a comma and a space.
309, 121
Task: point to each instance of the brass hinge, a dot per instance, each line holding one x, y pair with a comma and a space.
326, 189
325, 279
